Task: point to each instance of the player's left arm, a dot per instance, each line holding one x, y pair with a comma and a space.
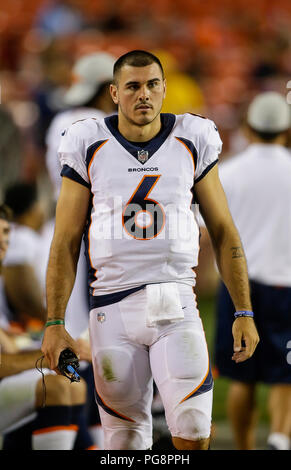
230, 259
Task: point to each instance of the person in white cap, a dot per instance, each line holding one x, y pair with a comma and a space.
88, 97
257, 183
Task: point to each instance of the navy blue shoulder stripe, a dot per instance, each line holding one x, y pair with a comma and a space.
191, 147
206, 170
70, 173
91, 150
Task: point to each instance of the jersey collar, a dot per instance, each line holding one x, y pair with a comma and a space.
149, 147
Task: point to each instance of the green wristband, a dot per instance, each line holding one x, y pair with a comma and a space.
55, 322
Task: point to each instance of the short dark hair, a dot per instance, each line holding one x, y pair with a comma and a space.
5, 213
20, 197
136, 58
267, 136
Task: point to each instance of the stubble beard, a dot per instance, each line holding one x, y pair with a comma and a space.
145, 120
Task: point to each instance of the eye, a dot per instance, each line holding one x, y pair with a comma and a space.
133, 87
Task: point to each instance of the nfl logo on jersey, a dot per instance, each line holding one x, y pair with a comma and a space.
101, 317
142, 156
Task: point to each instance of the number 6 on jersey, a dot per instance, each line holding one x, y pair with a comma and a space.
143, 218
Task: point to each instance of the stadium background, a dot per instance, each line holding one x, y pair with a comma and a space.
217, 56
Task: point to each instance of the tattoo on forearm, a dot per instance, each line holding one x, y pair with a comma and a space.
237, 252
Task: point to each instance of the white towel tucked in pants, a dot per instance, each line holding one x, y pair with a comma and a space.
163, 304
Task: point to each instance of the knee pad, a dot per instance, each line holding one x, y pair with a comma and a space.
192, 424
191, 419
125, 439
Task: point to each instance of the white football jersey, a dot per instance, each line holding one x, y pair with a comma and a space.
24, 248
141, 229
53, 137
257, 183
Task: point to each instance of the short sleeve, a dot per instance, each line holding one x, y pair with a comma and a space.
72, 155
53, 163
210, 146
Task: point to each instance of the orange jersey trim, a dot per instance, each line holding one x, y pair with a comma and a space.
89, 247
192, 156
201, 383
93, 156
71, 427
114, 411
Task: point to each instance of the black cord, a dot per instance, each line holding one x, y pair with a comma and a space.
43, 381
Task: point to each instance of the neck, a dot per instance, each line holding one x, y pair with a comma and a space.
279, 140
26, 220
136, 133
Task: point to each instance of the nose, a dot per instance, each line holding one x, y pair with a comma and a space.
144, 93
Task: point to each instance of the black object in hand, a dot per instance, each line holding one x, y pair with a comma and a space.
68, 363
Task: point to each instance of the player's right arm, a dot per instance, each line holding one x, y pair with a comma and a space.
71, 217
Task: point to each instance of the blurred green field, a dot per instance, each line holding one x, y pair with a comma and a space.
207, 313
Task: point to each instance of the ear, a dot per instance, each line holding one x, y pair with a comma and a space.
114, 93
165, 88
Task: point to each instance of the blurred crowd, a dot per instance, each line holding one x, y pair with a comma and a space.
217, 56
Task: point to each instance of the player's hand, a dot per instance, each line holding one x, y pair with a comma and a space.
245, 338
55, 340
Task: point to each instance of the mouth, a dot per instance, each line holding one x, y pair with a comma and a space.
144, 107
